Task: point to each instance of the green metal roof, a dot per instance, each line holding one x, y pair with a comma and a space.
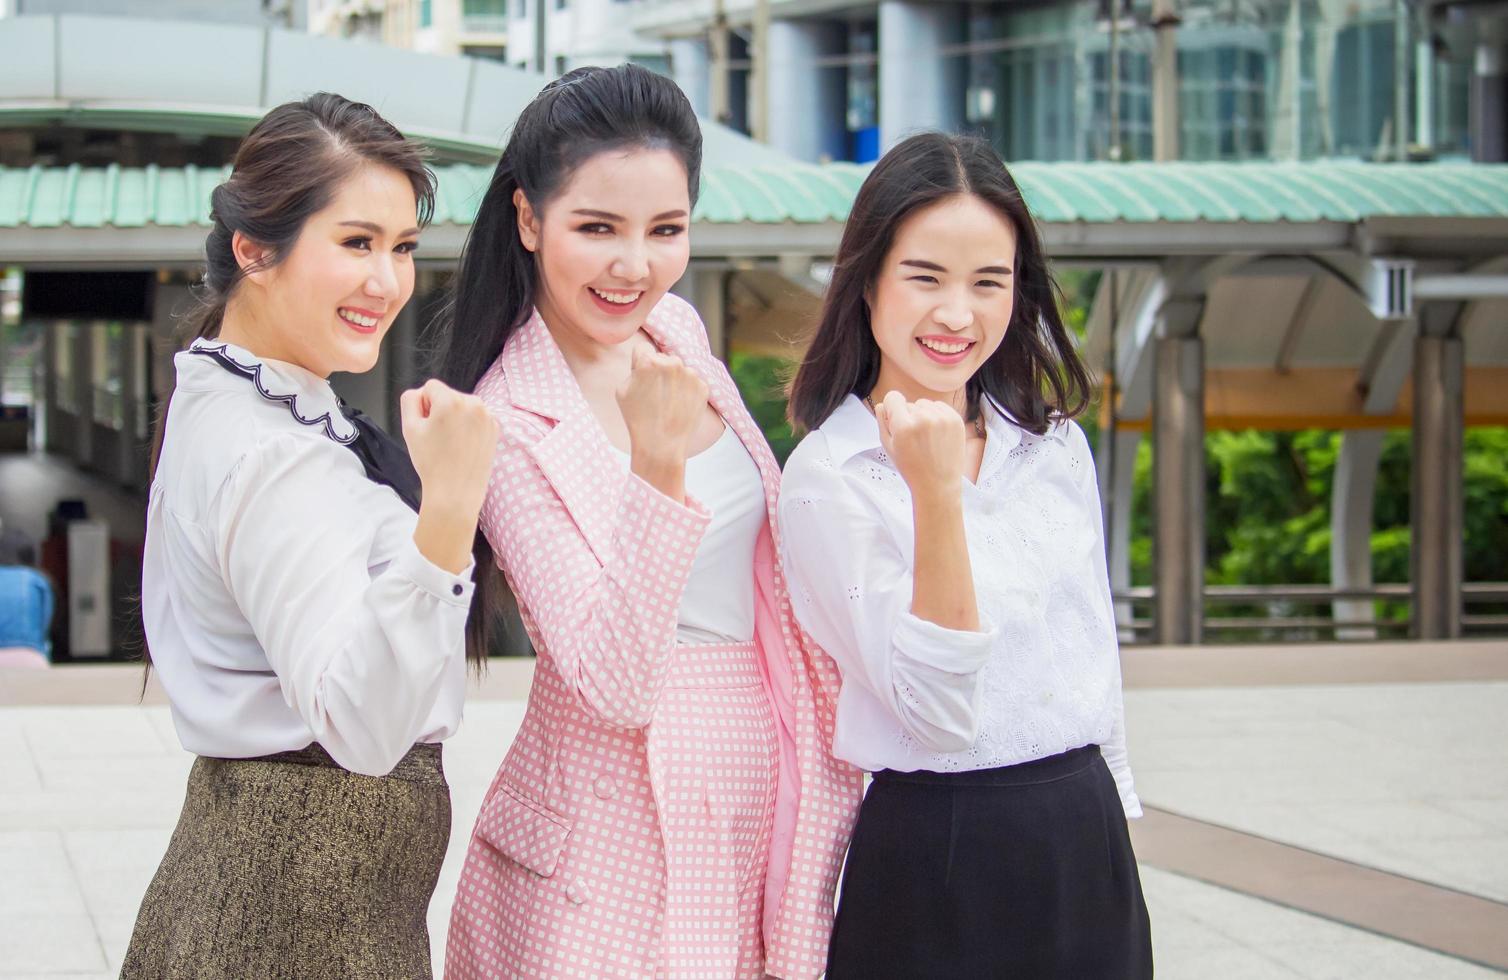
1059, 193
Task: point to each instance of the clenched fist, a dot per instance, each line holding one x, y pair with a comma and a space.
451, 439
661, 402
926, 440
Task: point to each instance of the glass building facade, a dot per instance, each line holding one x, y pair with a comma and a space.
1257, 79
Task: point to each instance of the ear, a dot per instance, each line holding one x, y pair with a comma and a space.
250, 256
528, 221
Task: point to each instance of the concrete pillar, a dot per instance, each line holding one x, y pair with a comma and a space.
1383, 377
1351, 528
920, 88
1178, 489
706, 288
1489, 103
807, 102
1165, 82
1117, 485
690, 67
1436, 560
82, 450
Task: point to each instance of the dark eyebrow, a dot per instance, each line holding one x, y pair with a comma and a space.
376, 229
993, 270
609, 216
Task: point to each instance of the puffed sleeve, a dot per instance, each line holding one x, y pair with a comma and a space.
851, 590
361, 658
1114, 748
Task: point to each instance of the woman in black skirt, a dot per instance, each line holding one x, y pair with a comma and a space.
943, 543
305, 611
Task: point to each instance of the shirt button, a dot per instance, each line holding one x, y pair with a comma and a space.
456, 590
605, 787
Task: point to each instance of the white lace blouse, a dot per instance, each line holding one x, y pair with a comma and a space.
1043, 674
283, 597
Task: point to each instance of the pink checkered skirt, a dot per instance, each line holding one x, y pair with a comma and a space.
715, 741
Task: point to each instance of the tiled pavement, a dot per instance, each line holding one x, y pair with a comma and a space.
1402, 773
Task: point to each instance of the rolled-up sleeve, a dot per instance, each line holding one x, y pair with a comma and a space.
362, 658
851, 590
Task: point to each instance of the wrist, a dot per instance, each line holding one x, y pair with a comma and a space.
667, 475
935, 494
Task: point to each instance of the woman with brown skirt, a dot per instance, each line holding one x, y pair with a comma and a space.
305, 611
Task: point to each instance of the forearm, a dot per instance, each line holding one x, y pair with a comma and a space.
942, 590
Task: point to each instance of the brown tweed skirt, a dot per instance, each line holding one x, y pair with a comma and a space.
290, 866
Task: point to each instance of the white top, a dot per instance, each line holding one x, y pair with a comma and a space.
718, 604
283, 597
1043, 675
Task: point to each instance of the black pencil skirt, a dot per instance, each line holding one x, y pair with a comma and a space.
1023, 872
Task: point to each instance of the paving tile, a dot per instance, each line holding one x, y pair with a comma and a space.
89, 733
38, 874
46, 941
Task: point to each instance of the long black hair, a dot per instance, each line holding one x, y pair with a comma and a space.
1036, 374
579, 115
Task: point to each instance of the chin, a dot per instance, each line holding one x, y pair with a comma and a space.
357, 360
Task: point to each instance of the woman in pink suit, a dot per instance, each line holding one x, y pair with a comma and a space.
671, 806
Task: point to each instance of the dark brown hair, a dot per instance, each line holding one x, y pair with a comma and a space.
579, 115
1036, 375
287, 169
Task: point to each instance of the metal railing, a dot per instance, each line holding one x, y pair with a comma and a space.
1289, 613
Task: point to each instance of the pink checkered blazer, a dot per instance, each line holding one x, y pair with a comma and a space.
565, 876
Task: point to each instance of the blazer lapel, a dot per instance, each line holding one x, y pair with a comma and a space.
574, 456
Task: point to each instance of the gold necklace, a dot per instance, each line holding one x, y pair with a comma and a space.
978, 419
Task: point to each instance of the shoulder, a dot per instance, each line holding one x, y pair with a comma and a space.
812, 470
678, 321
1072, 435
213, 435
517, 427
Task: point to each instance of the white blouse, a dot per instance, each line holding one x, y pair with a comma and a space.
718, 603
283, 596
1043, 674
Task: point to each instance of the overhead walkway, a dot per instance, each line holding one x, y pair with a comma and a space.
1339, 295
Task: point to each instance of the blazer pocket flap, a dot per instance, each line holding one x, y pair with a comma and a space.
523, 830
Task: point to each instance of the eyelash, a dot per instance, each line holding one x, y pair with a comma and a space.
932, 280
365, 244
660, 231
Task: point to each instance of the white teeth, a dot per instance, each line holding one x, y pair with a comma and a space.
357, 318
943, 348
622, 299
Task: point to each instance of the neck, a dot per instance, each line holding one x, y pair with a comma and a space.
244, 326
585, 356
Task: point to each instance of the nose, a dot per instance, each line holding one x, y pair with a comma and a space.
382, 283
631, 263
954, 313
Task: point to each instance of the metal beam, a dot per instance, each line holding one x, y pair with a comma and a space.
1461, 287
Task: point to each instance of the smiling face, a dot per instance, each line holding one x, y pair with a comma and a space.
609, 244
327, 305
943, 297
